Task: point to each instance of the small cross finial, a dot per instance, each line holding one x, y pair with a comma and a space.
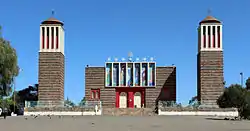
53, 12
209, 11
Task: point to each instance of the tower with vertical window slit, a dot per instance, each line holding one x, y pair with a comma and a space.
210, 78
51, 63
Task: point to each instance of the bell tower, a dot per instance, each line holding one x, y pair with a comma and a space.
51, 63
210, 77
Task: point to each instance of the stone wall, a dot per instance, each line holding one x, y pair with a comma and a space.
94, 79
210, 76
51, 77
165, 87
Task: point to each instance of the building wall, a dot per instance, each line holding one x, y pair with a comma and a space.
165, 86
51, 77
94, 79
210, 76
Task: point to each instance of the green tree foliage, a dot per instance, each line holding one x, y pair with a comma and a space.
69, 103
236, 97
6, 102
8, 66
27, 94
194, 102
248, 83
83, 101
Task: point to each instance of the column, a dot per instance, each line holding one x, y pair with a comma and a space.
216, 37
126, 74
206, 36
41, 38
45, 38
155, 74
133, 78
140, 74
201, 38
221, 37
112, 66
211, 36
147, 73
119, 75
50, 38
54, 39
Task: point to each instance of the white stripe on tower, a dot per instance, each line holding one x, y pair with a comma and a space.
45, 38
206, 36
221, 37
211, 37
216, 38
50, 38
202, 38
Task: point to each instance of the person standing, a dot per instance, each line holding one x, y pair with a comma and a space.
5, 112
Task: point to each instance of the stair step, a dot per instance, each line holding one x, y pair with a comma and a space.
129, 111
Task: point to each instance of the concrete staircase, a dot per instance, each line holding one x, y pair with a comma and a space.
128, 111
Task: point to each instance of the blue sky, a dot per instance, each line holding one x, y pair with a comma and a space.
98, 29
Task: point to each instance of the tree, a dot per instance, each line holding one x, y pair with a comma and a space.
235, 96
8, 66
83, 101
27, 94
68, 102
6, 103
194, 102
248, 83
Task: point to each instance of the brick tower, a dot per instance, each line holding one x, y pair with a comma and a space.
210, 61
51, 63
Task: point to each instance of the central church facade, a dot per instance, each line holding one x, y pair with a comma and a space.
129, 84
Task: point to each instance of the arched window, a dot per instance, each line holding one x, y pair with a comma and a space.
92, 94
97, 95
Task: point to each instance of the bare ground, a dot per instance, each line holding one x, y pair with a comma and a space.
124, 123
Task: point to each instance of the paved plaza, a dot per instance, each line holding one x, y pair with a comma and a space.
124, 123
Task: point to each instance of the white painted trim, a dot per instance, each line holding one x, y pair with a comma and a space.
112, 75
221, 37
155, 75
199, 113
206, 37
50, 38
119, 75
216, 37
63, 113
126, 74
133, 78
140, 74
60, 39
201, 42
212, 49
211, 38
147, 69
41, 33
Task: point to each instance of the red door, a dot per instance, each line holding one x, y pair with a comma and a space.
130, 99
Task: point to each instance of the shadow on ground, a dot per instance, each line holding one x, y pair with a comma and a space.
223, 119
